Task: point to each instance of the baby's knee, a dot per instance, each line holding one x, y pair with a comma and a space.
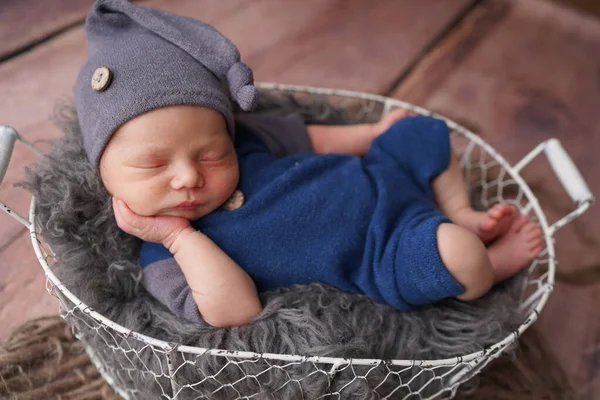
466, 258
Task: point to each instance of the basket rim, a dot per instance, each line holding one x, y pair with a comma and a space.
475, 358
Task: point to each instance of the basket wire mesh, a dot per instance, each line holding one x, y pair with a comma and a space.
126, 358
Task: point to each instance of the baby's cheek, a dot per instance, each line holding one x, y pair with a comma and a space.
223, 184
137, 195
150, 198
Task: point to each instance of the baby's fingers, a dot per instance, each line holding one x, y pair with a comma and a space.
127, 220
391, 117
152, 229
397, 113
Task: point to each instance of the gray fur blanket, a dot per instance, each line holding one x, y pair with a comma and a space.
97, 262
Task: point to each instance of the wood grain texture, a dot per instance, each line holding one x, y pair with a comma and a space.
30, 86
347, 44
22, 287
589, 6
441, 61
25, 22
534, 75
341, 44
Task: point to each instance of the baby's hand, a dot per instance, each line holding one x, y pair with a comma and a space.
389, 119
163, 229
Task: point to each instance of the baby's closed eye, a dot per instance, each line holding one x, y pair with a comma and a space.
148, 163
216, 157
212, 156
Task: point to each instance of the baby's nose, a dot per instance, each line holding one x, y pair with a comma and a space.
187, 176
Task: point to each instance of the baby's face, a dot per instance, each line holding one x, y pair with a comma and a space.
177, 161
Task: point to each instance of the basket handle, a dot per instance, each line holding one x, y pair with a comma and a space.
8, 137
568, 175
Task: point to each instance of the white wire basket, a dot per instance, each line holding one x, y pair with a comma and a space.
488, 176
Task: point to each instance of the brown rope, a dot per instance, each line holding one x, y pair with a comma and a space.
62, 385
89, 392
20, 381
43, 360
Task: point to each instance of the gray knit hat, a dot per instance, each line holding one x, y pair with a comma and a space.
140, 58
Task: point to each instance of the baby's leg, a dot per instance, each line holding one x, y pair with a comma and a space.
451, 196
466, 258
476, 267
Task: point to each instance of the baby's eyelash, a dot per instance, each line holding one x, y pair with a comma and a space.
152, 167
149, 165
213, 157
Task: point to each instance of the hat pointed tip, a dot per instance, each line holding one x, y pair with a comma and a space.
247, 97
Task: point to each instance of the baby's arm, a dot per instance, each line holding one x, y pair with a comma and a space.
224, 293
350, 139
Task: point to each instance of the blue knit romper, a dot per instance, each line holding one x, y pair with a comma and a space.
361, 224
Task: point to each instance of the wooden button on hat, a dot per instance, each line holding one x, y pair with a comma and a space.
101, 79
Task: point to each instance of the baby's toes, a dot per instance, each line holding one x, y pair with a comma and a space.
496, 212
519, 223
511, 210
501, 210
489, 224
534, 242
532, 230
401, 112
532, 234
508, 209
535, 250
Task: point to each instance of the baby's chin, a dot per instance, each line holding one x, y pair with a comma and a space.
191, 215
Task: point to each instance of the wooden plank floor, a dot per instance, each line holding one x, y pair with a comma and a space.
517, 72
26, 22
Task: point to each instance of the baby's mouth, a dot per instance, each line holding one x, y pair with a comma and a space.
188, 205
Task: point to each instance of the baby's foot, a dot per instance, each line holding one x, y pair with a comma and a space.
516, 248
495, 222
488, 225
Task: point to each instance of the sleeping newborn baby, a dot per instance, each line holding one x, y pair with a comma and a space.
230, 207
